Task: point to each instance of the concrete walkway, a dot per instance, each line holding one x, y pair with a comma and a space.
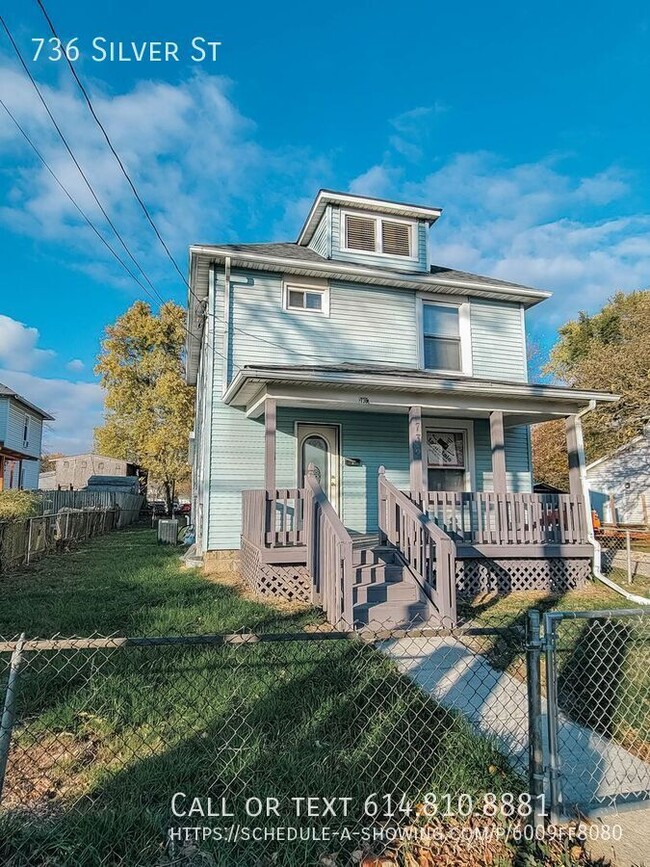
596, 772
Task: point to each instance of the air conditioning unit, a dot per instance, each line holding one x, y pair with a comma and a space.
168, 531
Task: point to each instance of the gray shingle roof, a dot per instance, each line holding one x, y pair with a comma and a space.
285, 251
306, 254
5, 391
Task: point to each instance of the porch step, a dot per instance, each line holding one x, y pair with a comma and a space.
374, 555
384, 591
377, 573
391, 615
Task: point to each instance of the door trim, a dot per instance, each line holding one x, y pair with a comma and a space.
337, 457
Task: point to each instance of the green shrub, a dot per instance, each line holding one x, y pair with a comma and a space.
17, 504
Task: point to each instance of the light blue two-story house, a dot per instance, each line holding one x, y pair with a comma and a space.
362, 421
21, 436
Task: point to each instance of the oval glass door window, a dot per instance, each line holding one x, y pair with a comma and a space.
315, 451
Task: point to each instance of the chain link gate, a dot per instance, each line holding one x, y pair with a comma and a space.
589, 710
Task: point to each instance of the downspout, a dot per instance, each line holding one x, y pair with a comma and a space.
631, 597
226, 325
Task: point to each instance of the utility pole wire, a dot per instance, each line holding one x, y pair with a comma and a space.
91, 108
75, 160
73, 201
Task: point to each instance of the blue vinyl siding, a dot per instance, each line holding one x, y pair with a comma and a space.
320, 242
30, 475
358, 328
4, 411
498, 340
14, 427
366, 324
394, 263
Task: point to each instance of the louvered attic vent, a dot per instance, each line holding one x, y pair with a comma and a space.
395, 238
377, 235
360, 233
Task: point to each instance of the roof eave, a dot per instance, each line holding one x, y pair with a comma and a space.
344, 270
325, 197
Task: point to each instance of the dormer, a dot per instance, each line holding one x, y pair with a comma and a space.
367, 231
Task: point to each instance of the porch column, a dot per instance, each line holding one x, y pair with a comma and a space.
498, 445
417, 463
269, 444
575, 452
2, 472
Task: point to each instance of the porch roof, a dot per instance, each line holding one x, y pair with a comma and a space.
378, 388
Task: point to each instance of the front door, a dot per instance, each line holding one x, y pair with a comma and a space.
318, 444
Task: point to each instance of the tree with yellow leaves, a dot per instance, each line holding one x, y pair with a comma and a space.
148, 407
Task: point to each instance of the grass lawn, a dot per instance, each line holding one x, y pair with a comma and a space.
104, 738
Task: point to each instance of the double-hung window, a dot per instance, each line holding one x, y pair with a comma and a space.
442, 338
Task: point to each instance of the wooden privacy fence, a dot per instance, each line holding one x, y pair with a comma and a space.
129, 505
509, 519
427, 550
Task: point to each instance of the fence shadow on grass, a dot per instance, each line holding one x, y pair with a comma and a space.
309, 718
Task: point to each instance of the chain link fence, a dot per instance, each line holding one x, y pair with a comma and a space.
307, 748
625, 556
598, 700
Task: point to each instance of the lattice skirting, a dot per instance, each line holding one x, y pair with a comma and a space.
475, 576
286, 581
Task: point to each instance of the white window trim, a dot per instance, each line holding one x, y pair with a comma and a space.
27, 424
464, 332
413, 234
322, 288
455, 426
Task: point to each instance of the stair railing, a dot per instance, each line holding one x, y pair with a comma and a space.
427, 550
329, 555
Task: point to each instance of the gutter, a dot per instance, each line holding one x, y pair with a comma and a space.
597, 559
226, 322
342, 270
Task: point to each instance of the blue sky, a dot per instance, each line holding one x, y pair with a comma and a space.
529, 127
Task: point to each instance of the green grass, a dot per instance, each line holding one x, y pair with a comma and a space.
104, 738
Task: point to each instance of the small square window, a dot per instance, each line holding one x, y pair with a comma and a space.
306, 299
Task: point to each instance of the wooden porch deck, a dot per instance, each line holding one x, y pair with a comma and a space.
437, 539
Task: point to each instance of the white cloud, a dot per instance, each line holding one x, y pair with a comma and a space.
75, 365
534, 223
194, 158
76, 406
18, 345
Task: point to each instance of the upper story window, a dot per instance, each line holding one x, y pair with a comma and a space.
306, 298
445, 337
382, 235
26, 431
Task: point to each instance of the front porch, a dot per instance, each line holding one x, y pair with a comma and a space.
299, 541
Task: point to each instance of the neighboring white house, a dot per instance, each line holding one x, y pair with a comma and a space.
622, 479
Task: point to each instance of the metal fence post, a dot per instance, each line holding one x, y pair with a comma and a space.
628, 548
7, 721
535, 744
552, 717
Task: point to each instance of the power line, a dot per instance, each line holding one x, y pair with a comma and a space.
75, 160
88, 184
114, 151
73, 201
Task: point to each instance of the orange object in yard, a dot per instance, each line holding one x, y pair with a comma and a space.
595, 520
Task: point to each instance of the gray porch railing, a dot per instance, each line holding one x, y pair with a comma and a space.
274, 519
329, 556
426, 548
509, 519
